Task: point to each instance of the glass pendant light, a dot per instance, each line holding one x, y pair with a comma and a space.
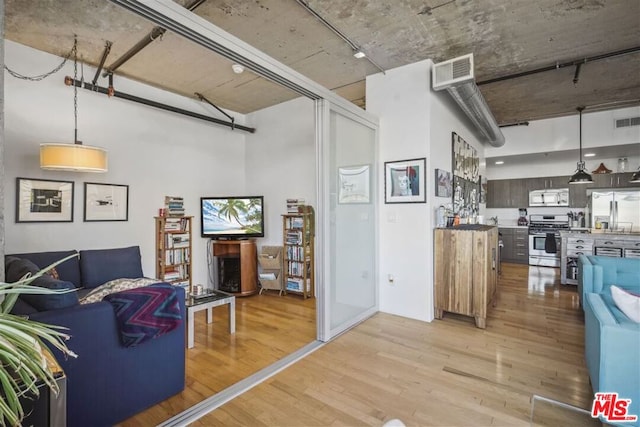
581, 176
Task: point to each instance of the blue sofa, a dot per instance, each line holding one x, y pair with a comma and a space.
107, 382
612, 340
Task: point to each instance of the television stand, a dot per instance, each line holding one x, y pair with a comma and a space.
237, 266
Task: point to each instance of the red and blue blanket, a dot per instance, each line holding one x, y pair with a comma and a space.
145, 313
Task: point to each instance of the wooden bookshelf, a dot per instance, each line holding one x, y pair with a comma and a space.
173, 250
298, 242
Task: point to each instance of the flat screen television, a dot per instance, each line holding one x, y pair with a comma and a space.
232, 217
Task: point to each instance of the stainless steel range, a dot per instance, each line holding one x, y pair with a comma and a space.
544, 239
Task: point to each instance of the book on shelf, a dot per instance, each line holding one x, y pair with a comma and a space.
297, 285
183, 284
174, 205
294, 204
176, 224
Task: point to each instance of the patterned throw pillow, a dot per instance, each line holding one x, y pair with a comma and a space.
116, 285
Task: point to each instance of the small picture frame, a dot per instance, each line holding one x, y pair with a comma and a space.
354, 184
444, 186
44, 200
404, 181
106, 202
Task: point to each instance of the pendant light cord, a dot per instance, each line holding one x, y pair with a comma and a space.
580, 111
74, 51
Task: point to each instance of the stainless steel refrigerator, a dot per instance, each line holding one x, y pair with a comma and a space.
617, 210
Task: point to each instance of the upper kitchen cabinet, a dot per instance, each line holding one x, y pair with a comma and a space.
612, 180
514, 193
507, 193
547, 183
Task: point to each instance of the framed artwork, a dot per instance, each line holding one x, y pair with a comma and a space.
466, 175
404, 181
44, 200
443, 183
354, 184
106, 202
483, 189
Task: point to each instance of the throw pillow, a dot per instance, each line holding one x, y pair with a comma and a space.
16, 268
45, 302
627, 302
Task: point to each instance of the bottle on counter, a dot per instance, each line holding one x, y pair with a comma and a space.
440, 217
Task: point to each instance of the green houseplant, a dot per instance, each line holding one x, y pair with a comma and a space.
23, 349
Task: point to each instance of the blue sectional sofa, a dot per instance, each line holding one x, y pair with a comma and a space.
107, 382
612, 340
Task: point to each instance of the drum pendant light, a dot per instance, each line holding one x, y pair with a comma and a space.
581, 176
73, 157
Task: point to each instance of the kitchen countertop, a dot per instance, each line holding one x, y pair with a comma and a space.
604, 235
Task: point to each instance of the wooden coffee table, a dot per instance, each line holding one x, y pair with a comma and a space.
207, 302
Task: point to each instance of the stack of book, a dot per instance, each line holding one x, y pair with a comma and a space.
174, 205
176, 224
293, 205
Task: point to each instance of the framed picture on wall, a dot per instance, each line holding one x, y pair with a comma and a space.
106, 202
44, 200
353, 184
443, 183
404, 181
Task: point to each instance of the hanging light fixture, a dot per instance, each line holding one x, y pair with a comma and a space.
73, 157
635, 178
581, 176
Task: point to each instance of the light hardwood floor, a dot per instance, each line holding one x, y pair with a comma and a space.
268, 327
447, 372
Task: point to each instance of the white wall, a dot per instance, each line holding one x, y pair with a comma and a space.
280, 160
562, 133
155, 152
414, 122
549, 135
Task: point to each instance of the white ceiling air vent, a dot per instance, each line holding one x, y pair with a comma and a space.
631, 121
456, 76
457, 70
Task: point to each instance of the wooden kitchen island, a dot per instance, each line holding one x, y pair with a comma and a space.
466, 270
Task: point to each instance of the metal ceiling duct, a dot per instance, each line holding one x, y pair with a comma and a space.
456, 76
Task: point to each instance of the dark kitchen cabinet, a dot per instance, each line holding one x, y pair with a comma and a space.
515, 243
514, 193
612, 180
547, 182
507, 193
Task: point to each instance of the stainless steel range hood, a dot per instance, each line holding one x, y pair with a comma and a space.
456, 76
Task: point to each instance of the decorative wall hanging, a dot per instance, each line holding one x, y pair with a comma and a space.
44, 200
466, 176
404, 181
353, 184
443, 183
106, 202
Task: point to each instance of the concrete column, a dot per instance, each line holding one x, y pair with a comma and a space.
2, 140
